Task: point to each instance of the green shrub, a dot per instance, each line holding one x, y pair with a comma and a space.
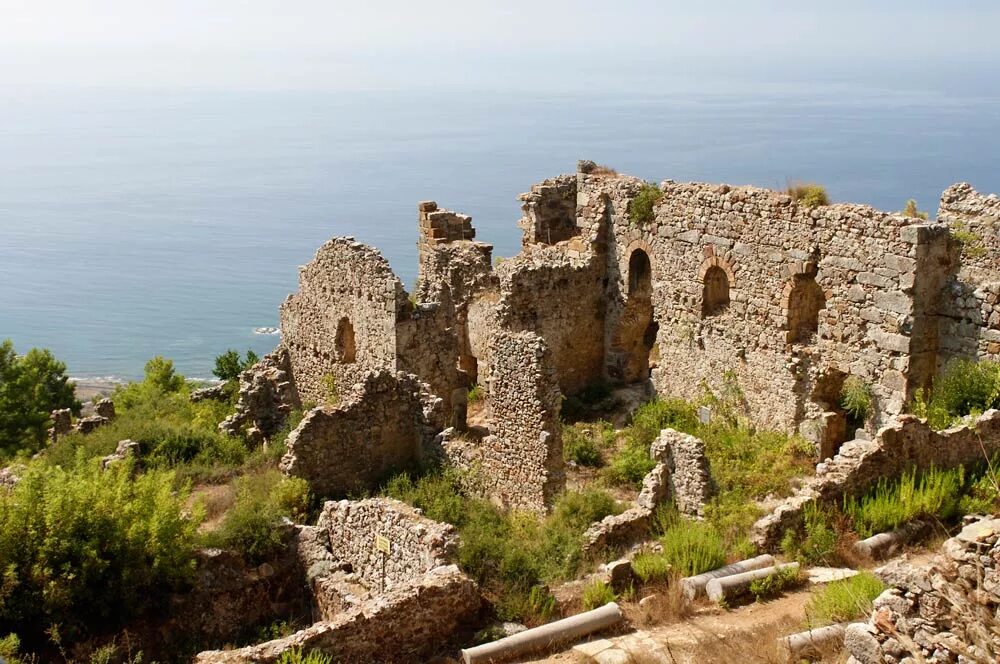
856, 398
87, 549
693, 547
651, 567
972, 245
230, 365
331, 390
935, 494
654, 416
808, 195
844, 601
982, 496
31, 387
251, 526
819, 542
965, 387
774, 584
629, 465
297, 656
581, 448
476, 394
642, 207
597, 593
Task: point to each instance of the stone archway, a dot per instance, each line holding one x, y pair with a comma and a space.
717, 276
636, 331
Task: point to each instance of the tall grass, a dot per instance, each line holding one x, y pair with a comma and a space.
842, 601
965, 387
935, 494
693, 547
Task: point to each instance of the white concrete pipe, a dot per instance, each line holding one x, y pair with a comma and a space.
694, 586
727, 587
545, 636
813, 642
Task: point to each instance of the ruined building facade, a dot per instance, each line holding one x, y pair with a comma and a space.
734, 285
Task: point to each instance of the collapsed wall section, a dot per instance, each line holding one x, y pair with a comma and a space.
387, 422
411, 544
341, 324
549, 211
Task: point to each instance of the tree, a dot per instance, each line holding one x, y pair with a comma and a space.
229, 365
910, 210
160, 373
31, 387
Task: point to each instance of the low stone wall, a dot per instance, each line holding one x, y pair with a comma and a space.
945, 611
387, 422
860, 464
416, 544
405, 625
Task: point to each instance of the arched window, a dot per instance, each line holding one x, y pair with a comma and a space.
715, 293
805, 300
640, 273
344, 343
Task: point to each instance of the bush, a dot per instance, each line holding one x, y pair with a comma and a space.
651, 567
982, 496
819, 542
597, 594
844, 601
229, 365
910, 210
693, 547
652, 417
31, 387
581, 448
642, 207
935, 494
972, 245
251, 526
88, 549
476, 394
297, 656
965, 387
774, 584
856, 398
808, 195
629, 466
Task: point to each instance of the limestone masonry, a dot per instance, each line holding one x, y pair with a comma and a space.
721, 284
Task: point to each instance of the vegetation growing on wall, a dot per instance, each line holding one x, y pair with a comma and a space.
965, 387
910, 210
971, 244
642, 207
808, 194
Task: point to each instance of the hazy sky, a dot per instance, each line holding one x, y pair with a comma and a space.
533, 44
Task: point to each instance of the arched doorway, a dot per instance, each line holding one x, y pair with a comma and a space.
805, 299
635, 334
715, 292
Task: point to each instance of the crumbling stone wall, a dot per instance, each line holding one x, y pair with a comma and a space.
520, 463
970, 314
387, 422
408, 624
765, 247
860, 464
266, 396
549, 211
416, 544
341, 324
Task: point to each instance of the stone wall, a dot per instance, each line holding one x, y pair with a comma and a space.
408, 624
416, 544
860, 464
549, 211
385, 423
970, 313
341, 324
689, 482
867, 279
520, 463
266, 396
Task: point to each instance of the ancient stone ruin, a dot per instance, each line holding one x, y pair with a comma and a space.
722, 283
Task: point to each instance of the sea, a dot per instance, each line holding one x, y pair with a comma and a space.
168, 222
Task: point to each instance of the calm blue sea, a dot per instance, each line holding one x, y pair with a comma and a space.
135, 224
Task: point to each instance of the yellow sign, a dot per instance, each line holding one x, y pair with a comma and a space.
382, 544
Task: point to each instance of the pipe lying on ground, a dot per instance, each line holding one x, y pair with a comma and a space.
813, 642
545, 636
694, 586
727, 587
885, 544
